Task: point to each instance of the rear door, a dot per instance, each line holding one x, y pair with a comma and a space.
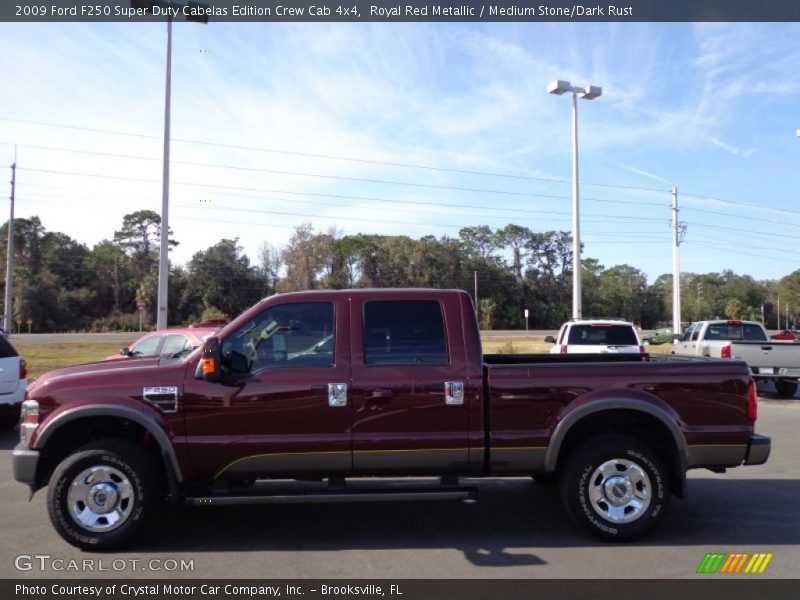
408, 365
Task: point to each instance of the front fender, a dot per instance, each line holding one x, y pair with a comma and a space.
124, 409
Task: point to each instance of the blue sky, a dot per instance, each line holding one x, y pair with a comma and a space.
450, 124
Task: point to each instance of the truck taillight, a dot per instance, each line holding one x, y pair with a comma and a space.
564, 349
23, 368
726, 351
641, 349
752, 401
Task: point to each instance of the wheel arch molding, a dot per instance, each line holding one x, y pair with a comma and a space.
153, 426
654, 412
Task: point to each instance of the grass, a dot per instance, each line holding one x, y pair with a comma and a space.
46, 356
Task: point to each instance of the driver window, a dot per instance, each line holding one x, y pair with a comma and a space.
287, 335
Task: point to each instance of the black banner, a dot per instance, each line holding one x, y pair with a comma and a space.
734, 588
399, 11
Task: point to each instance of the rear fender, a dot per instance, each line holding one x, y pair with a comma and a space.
649, 405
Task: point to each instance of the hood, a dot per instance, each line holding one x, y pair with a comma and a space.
106, 374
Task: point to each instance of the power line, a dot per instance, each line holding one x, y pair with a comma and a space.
739, 203
770, 234
327, 156
250, 189
746, 217
367, 161
727, 249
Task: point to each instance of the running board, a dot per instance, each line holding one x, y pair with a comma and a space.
468, 495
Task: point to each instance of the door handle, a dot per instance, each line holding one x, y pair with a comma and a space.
453, 393
337, 394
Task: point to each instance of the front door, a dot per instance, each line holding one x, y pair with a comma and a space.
279, 410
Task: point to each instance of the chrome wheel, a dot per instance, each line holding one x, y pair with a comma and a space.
619, 491
100, 498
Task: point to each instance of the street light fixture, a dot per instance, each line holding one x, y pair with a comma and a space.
198, 15
589, 92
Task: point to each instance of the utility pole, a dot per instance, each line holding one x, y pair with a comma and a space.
677, 235
163, 251
477, 310
779, 313
9, 319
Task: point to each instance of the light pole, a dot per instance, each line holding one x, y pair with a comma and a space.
196, 13
589, 92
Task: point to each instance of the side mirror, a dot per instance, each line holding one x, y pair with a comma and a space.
210, 361
237, 362
126, 351
550, 339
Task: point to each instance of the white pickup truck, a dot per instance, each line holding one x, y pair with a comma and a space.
747, 341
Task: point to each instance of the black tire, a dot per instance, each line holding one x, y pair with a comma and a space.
785, 389
9, 421
131, 472
547, 479
637, 472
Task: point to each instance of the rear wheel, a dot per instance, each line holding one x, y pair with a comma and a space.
785, 389
102, 496
616, 487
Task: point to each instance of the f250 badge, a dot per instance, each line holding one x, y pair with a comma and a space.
164, 399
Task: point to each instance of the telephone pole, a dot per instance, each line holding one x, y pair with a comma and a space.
9, 317
677, 236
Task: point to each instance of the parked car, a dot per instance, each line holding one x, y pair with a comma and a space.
659, 336
209, 323
165, 342
13, 381
787, 335
596, 336
377, 384
768, 360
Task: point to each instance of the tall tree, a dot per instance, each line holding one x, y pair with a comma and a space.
221, 277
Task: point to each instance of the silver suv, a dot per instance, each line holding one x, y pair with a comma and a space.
13, 381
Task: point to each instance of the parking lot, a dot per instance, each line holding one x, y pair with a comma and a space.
516, 530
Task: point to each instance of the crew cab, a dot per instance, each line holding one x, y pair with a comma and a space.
371, 395
768, 360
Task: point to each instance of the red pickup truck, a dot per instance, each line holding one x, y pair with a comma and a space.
361, 390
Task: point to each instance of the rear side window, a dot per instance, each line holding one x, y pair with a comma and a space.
404, 332
602, 335
6, 349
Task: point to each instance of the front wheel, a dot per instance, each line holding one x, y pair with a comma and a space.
102, 496
785, 389
616, 487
